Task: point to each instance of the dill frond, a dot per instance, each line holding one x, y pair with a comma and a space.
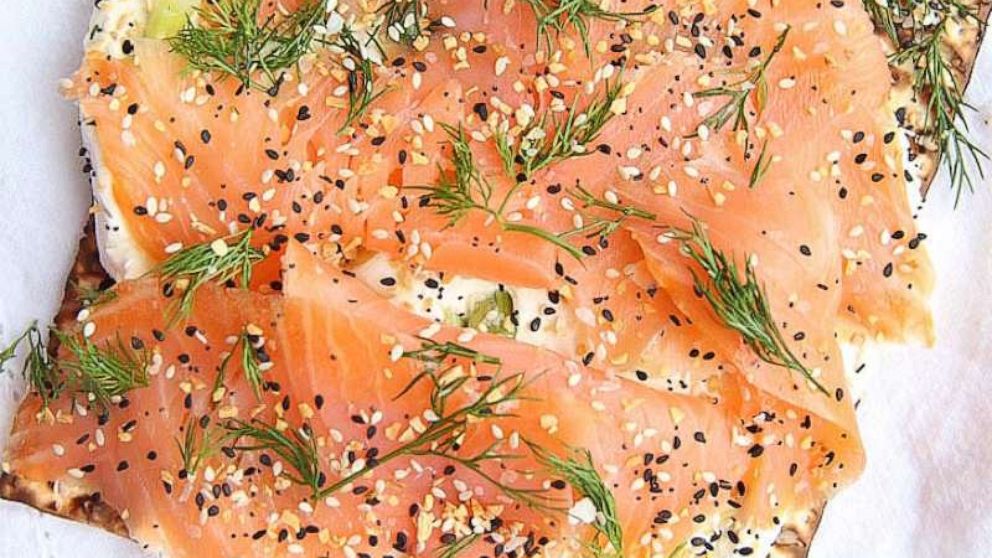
103, 373
464, 188
231, 38
679, 551
93, 296
553, 137
558, 239
251, 364
297, 449
738, 300
361, 75
442, 437
251, 360
195, 448
598, 226
754, 88
403, 20
222, 260
459, 545
918, 30
468, 190
761, 167
557, 17
578, 470
40, 370
435, 354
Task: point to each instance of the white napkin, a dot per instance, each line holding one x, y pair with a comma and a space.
926, 414
43, 203
925, 419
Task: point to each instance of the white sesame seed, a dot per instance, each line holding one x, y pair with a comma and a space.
502, 63
431, 330
219, 247
467, 335
396, 353
787, 83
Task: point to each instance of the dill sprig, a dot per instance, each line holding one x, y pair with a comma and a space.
104, 373
553, 137
222, 260
251, 360
468, 190
593, 225
10, 351
199, 443
402, 20
902, 20
297, 449
441, 438
230, 37
435, 354
597, 226
459, 545
361, 75
578, 470
557, 17
886, 16
918, 30
753, 87
738, 300
464, 188
761, 166
39, 369
251, 363
93, 296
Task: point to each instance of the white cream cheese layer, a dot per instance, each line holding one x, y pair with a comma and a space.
114, 25
536, 320
119, 254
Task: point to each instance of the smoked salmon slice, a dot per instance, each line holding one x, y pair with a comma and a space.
360, 390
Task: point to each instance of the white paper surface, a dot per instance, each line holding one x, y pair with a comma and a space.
926, 418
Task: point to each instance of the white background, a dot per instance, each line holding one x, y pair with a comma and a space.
926, 420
